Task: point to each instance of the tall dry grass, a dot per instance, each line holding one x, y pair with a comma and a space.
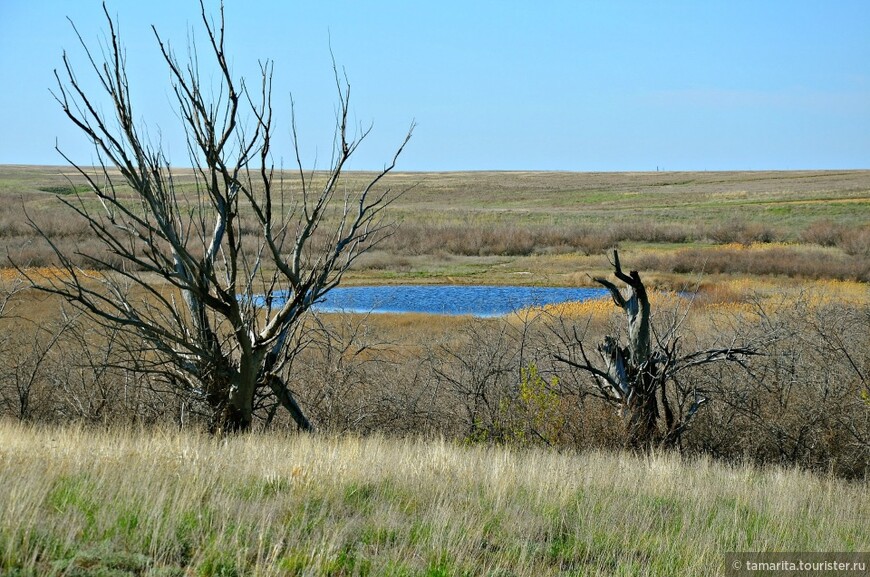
75, 501
774, 259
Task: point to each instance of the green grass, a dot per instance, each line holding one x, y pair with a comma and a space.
65, 189
123, 503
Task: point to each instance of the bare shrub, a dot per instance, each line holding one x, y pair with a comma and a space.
649, 231
801, 262
856, 241
27, 250
597, 242
476, 369
25, 346
760, 232
744, 233
11, 223
91, 381
64, 369
806, 401
823, 233
383, 260
340, 375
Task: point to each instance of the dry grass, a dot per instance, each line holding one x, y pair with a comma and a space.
488, 226
78, 502
728, 294
775, 259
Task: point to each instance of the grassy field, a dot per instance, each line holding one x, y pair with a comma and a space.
78, 502
554, 228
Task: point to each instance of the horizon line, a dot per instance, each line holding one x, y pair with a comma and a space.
484, 170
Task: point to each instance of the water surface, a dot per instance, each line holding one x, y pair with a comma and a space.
483, 301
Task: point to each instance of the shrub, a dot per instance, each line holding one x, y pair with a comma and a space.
823, 233
856, 241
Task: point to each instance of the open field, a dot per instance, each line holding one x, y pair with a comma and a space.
133, 502
438, 453
554, 228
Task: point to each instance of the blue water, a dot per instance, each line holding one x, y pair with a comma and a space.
483, 301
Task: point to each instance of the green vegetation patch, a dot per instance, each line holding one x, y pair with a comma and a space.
65, 189
73, 498
103, 562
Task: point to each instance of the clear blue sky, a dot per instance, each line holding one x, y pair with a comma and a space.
545, 85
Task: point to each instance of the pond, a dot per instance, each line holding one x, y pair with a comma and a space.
482, 301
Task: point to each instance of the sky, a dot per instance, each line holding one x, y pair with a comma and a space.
491, 85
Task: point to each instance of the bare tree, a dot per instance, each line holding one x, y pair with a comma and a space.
635, 378
478, 370
247, 251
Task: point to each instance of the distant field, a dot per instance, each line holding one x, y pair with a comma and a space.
554, 228
789, 200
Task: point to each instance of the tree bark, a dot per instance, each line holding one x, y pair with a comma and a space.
632, 366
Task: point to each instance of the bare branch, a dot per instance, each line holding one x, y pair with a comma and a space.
168, 240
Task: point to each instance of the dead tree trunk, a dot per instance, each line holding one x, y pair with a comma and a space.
634, 378
632, 366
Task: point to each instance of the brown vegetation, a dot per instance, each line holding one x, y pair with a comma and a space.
482, 381
760, 259
805, 402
